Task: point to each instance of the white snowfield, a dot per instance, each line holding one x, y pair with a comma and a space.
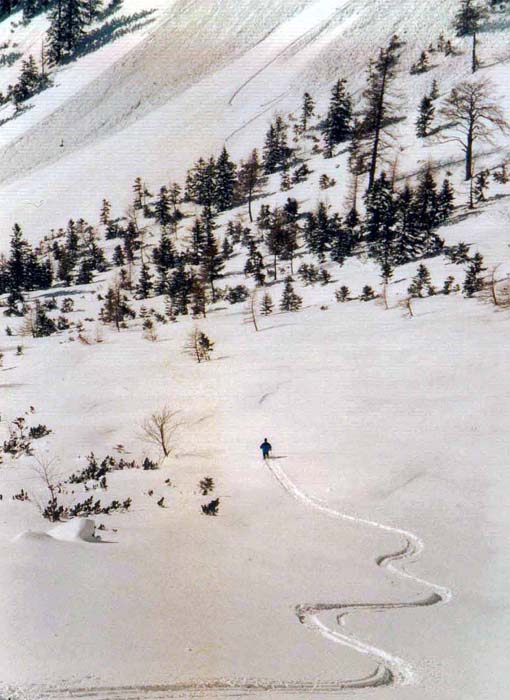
366, 559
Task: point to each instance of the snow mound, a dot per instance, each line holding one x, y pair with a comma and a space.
76, 530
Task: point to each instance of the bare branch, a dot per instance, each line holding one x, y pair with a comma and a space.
160, 428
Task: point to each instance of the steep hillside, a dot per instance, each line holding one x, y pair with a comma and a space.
194, 76
367, 557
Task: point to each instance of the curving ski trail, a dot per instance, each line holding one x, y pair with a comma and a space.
398, 671
389, 670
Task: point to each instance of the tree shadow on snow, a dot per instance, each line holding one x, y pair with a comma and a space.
110, 31
9, 58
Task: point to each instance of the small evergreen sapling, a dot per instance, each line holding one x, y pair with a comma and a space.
482, 182
473, 282
425, 117
266, 305
237, 294
199, 346
367, 293
307, 111
211, 508
420, 282
434, 90
206, 485
342, 294
449, 285
290, 301
422, 65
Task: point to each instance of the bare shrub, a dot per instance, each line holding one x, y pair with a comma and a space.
159, 429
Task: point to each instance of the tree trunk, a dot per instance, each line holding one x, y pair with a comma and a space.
469, 153
474, 62
275, 272
250, 194
377, 131
494, 293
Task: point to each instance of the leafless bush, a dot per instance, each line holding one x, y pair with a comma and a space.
159, 429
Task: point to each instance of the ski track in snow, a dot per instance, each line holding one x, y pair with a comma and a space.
390, 669
396, 671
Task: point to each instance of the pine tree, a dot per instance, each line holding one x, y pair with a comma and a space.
145, 285
179, 289
42, 325
86, 272
266, 305
468, 22
420, 281
378, 111
426, 201
199, 346
67, 27
342, 294
290, 301
118, 256
105, 213
473, 283
29, 82
445, 202
225, 180
321, 231
17, 263
409, 243
422, 65
163, 208
164, 255
92, 9
211, 260
425, 117
381, 219
200, 182
248, 177
434, 90
367, 293
357, 160
198, 297
140, 194
482, 181
227, 249
337, 125
255, 265
307, 111
116, 308
197, 241
276, 150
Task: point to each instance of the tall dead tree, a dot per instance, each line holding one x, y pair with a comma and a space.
473, 115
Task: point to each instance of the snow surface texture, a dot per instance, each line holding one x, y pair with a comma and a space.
385, 426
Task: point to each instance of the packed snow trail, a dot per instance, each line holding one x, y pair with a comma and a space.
397, 671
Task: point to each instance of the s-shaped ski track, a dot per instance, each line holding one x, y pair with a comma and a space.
396, 670
389, 670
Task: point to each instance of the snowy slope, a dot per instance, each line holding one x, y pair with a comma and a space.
201, 74
389, 433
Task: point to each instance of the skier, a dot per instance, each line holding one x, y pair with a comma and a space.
266, 449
